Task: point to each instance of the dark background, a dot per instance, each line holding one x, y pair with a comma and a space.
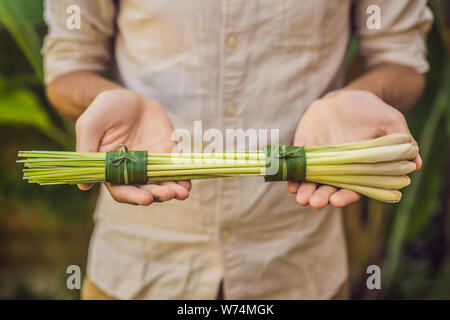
45, 229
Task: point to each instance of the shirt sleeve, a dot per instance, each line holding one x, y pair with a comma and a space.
401, 36
89, 47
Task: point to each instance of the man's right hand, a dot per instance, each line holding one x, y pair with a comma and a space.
121, 116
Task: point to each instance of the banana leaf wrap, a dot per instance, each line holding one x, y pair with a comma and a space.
126, 167
285, 163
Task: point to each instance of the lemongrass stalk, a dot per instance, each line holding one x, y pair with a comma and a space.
378, 154
78, 181
64, 170
385, 182
180, 178
62, 174
211, 155
372, 168
199, 161
384, 195
390, 139
196, 177
160, 167
187, 161
376, 150
383, 169
62, 154
205, 171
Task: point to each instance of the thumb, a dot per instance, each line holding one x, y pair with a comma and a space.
88, 139
399, 125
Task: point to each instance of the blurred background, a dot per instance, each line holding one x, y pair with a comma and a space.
44, 230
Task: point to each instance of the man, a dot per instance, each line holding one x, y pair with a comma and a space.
232, 64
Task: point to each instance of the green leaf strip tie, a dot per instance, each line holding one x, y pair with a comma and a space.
291, 163
126, 167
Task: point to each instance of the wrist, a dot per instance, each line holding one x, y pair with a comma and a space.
354, 88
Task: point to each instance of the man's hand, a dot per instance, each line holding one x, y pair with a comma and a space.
121, 116
343, 116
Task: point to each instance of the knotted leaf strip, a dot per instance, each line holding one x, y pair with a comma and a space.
285, 163
126, 167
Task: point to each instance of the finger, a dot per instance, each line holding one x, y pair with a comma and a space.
343, 198
160, 192
130, 194
413, 141
304, 193
418, 161
398, 124
293, 186
181, 193
88, 140
185, 184
85, 186
88, 136
321, 196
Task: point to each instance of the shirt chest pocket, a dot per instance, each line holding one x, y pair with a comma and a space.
299, 23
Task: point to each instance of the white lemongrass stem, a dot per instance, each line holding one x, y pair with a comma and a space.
384, 195
383, 169
385, 182
387, 140
378, 154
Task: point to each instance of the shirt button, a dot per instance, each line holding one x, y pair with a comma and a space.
232, 42
230, 110
225, 234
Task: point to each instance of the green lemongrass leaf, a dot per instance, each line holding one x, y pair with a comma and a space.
256, 170
199, 177
63, 154
160, 167
210, 155
195, 161
182, 178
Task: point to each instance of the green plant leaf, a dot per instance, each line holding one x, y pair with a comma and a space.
21, 107
441, 11
430, 188
352, 51
402, 214
16, 17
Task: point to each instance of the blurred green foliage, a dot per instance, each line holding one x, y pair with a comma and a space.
43, 230
21, 93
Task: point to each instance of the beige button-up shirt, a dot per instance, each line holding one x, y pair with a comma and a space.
232, 64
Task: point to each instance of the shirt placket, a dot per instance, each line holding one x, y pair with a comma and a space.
232, 75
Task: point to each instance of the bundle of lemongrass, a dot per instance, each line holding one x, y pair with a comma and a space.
376, 168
